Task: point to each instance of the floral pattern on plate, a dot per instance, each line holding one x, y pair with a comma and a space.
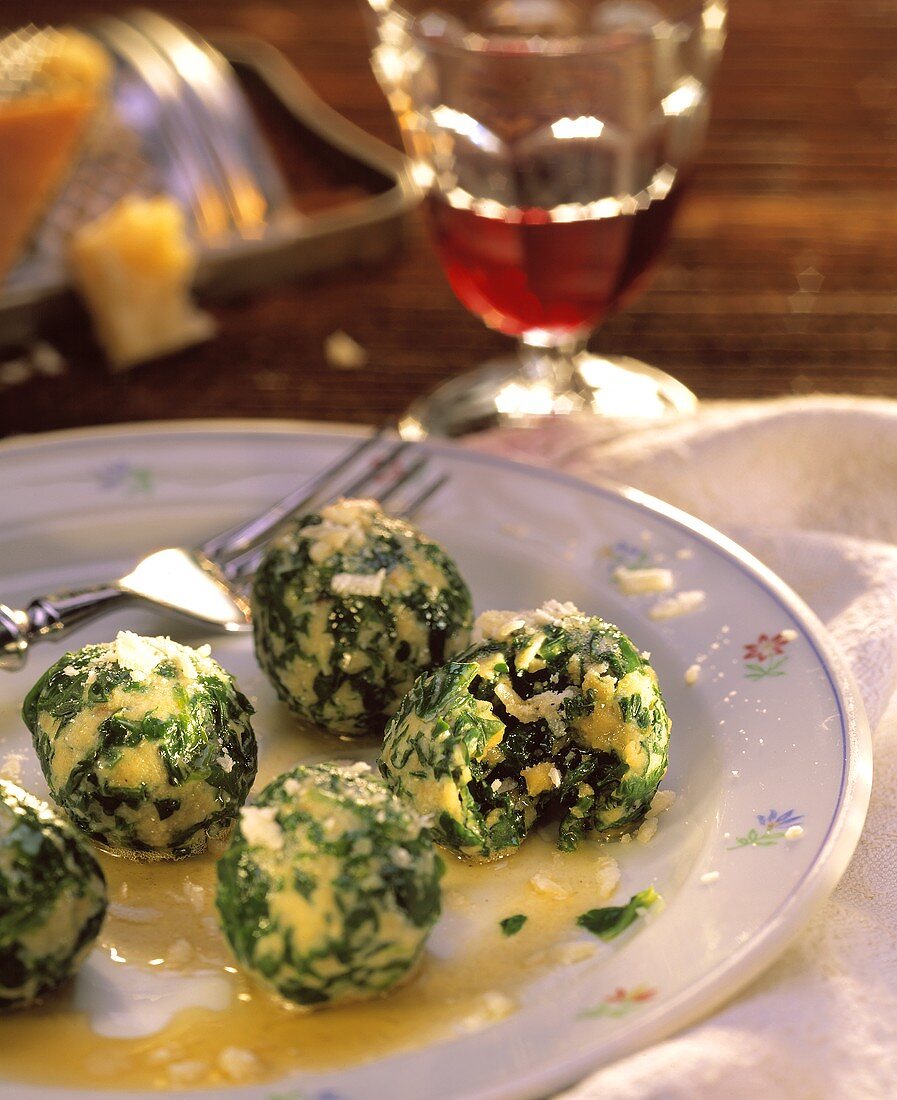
766, 656
774, 827
621, 1002
125, 477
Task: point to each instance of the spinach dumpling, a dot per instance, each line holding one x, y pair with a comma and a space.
145, 743
349, 606
551, 709
330, 886
52, 898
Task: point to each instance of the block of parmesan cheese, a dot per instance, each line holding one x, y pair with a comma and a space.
52, 83
134, 267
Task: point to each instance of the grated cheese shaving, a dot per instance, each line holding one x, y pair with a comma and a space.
498, 625
358, 584
491, 1007
11, 766
238, 1064
683, 603
543, 884
545, 706
607, 875
343, 526
527, 655
552, 613
639, 582
359, 767
260, 828
347, 512
140, 656
660, 803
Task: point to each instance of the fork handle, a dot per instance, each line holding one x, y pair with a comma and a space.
52, 617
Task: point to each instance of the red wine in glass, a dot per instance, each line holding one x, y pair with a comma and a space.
526, 271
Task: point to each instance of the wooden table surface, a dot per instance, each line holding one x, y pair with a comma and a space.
781, 276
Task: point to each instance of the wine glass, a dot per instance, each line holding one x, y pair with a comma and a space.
553, 140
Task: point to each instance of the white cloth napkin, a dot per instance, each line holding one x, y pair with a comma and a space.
809, 485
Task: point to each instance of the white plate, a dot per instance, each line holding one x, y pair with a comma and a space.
770, 726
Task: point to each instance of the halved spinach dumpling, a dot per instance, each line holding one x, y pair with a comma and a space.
52, 898
330, 885
146, 744
349, 606
551, 709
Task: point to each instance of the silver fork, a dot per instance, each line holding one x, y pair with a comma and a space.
210, 582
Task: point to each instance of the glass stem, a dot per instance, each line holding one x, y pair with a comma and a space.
554, 364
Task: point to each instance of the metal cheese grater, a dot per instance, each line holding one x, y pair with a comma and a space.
179, 123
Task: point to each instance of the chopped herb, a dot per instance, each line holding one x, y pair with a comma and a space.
611, 920
512, 925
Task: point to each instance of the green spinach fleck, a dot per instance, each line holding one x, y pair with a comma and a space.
512, 925
609, 921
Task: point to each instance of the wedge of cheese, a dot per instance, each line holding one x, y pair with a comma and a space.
134, 266
52, 83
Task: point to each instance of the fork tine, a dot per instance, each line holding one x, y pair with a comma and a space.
368, 477
430, 489
239, 567
404, 476
244, 535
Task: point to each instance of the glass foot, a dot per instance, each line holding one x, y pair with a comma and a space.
625, 393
